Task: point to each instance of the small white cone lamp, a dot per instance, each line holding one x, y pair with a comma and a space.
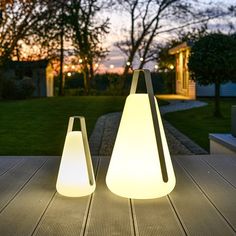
75, 176
140, 165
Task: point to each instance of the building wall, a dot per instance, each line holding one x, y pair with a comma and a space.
184, 85
187, 87
40, 72
226, 90
49, 81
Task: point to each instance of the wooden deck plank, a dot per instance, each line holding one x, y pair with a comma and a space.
13, 180
156, 217
65, 216
202, 201
219, 191
195, 211
225, 165
23, 213
6, 163
109, 213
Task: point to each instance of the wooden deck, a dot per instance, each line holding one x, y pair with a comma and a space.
202, 203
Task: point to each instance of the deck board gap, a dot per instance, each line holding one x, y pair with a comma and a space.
183, 227
133, 218
207, 197
22, 187
89, 205
41, 217
13, 167
219, 173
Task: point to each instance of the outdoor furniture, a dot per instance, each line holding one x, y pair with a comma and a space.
225, 143
202, 203
222, 144
233, 121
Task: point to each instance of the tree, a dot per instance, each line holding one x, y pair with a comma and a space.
212, 61
161, 52
150, 18
19, 21
87, 33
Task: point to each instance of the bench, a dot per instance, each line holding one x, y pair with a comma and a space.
222, 144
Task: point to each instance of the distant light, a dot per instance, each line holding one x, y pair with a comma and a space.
96, 65
112, 66
156, 67
128, 63
80, 60
171, 67
69, 74
73, 67
65, 67
141, 59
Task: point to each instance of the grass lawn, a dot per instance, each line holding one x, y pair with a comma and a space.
38, 126
197, 123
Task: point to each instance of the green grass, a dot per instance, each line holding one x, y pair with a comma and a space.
38, 126
197, 123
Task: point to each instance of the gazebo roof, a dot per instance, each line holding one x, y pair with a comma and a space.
180, 47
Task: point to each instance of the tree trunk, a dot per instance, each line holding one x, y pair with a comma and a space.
217, 112
86, 81
1, 81
61, 77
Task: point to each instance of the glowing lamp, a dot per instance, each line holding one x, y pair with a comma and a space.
140, 165
75, 176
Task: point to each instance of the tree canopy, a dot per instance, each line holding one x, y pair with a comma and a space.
150, 19
212, 61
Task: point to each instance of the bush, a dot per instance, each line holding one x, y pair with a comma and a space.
109, 84
9, 88
76, 80
17, 89
25, 88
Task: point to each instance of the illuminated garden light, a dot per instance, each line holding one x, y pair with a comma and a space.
76, 176
141, 59
171, 67
112, 66
140, 165
80, 60
156, 67
69, 74
128, 63
73, 67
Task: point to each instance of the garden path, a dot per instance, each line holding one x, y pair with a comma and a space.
103, 137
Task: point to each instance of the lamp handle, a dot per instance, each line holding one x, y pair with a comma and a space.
86, 144
148, 81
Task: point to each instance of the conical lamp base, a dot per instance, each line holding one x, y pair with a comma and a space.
73, 178
134, 170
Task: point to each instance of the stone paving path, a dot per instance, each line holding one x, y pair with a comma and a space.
103, 137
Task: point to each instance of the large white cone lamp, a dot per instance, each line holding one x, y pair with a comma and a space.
140, 165
75, 176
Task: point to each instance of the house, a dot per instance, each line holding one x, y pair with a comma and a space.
186, 86
40, 72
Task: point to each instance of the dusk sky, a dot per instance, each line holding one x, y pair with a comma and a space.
119, 20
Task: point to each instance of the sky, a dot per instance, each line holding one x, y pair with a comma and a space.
119, 20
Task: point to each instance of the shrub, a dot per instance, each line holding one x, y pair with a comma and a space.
17, 89
9, 89
26, 88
